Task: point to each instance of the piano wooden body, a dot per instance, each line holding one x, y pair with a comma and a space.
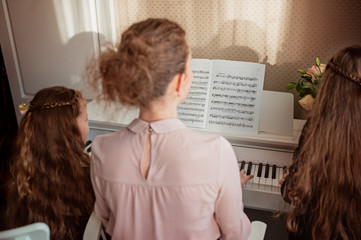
264, 155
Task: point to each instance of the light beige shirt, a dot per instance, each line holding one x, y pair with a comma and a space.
192, 191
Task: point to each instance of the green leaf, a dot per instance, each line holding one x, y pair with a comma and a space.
304, 91
309, 85
306, 77
317, 80
291, 85
299, 87
301, 71
318, 63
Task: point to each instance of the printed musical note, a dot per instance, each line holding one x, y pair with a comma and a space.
225, 123
224, 95
232, 110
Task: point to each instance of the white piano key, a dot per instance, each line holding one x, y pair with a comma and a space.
280, 173
275, 182
254, 166
256, 179
245, 168
262, 179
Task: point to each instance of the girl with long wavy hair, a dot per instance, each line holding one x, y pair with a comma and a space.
50, 179
324, 182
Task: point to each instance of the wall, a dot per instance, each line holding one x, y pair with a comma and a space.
48, 42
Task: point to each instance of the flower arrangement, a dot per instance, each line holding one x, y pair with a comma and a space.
307, 84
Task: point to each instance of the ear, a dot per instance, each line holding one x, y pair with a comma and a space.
180, 82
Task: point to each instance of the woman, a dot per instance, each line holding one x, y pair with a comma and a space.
324, 183
156, 179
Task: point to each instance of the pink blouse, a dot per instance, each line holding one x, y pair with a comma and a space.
192, 191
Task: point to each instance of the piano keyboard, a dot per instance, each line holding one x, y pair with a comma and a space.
267, 166
266, 176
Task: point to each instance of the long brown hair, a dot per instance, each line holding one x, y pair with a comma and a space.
49, 170
139, 70
326, 187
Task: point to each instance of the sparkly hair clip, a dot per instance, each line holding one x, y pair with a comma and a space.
344, 74
23, 108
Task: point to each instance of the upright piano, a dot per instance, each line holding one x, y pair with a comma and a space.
264, 155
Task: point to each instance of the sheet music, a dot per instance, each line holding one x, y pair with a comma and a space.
235, 99
225, 95
193, 111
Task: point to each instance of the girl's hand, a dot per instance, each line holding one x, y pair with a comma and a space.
243, 177
283, 178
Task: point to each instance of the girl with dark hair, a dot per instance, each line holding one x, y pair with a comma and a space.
50, 179
156, 179
324, 182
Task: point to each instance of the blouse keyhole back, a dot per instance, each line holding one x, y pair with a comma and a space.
146, 157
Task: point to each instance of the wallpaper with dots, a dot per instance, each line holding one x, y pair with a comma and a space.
286, 35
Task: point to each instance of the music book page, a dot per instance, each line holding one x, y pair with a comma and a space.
225, 95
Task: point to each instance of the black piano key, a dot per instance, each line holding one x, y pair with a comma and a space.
274, 168
266, 171
259, 173
242, 164
249, 168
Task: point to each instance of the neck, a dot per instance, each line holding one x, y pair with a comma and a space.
158, 110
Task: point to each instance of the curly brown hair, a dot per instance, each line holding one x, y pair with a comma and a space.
50, 179
325, 186
139, 70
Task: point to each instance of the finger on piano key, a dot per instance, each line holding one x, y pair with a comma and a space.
253, 170
243, 164
280, 174
256, 178
245, 168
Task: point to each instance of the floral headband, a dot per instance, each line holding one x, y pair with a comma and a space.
345, 74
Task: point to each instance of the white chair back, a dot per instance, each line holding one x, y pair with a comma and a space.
94, 229
34, 231
258, 230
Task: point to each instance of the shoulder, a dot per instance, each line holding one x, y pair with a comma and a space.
107, 141
213, 145
212, 139
105, 138
202, 135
